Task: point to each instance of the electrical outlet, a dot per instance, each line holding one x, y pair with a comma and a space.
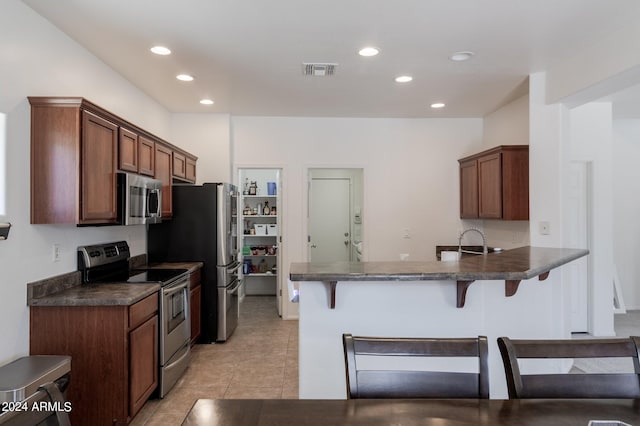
406, 234
55, 253
404, 256
545, 228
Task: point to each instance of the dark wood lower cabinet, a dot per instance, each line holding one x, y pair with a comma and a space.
143, 377
114, 356
195, 303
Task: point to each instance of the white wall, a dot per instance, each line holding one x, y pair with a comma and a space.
206, 136
508, 125
39, 60
626, 207
546, 132
590, 139
410, 175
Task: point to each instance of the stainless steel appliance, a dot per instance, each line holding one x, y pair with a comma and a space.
139, 199
33, 391
204, 228
109, 263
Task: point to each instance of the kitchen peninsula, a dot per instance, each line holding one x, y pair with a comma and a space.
514, 295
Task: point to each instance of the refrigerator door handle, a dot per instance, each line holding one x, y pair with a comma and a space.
235, 287
234, 267
226, 275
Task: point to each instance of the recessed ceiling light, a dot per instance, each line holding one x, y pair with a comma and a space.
461, 56
368, 51
404, 79
437, 105
184, 77
160, 50
206, 102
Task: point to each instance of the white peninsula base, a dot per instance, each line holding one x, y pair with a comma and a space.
414, 309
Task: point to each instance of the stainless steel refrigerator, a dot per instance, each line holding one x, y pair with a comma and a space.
204, 228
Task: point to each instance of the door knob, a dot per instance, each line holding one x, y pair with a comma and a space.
346, 242
346, 234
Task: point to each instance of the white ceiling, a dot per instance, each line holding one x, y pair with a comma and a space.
247, 55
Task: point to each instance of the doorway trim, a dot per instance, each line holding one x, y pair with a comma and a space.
283, 244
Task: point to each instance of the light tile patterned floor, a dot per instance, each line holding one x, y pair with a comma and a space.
260, 360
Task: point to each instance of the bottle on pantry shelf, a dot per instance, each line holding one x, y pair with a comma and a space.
246, 266
253, 188
263, 266
273, 211
259, 208
245, 191
266, 210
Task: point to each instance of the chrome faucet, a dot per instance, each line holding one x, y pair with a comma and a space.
484, 241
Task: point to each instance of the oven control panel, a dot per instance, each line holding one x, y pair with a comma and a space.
102, 254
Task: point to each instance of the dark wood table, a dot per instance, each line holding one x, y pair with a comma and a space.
444, 412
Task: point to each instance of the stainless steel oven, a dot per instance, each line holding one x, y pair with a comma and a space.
175, 332
109, 263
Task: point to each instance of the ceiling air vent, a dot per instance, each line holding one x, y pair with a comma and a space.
318, 69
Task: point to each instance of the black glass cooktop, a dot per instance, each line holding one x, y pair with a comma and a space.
163, 276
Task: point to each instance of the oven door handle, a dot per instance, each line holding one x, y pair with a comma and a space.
179, 360
172, 290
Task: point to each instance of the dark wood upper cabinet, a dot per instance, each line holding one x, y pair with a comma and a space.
164, 172
128, 151
494, 184
179, 165
147, 156
468, 189
77, 149
73, 163
191, 170
98, 170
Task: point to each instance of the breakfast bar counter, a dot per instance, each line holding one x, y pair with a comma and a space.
512, 266
517, 293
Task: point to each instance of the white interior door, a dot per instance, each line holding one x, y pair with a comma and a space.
329, 219
578, 237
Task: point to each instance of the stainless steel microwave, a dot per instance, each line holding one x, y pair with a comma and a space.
139, 199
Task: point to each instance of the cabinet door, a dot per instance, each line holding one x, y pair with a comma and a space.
164, 162
147, 155
469, 189
128, 151
179, 165
490, 186
515, 184
98, 170
143, 364
195, 297
191, 170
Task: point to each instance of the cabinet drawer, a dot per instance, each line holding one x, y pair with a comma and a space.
142, 310
194, 278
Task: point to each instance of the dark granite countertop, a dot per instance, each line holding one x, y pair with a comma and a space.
515, 264
98, 295
68, 290
190, 266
